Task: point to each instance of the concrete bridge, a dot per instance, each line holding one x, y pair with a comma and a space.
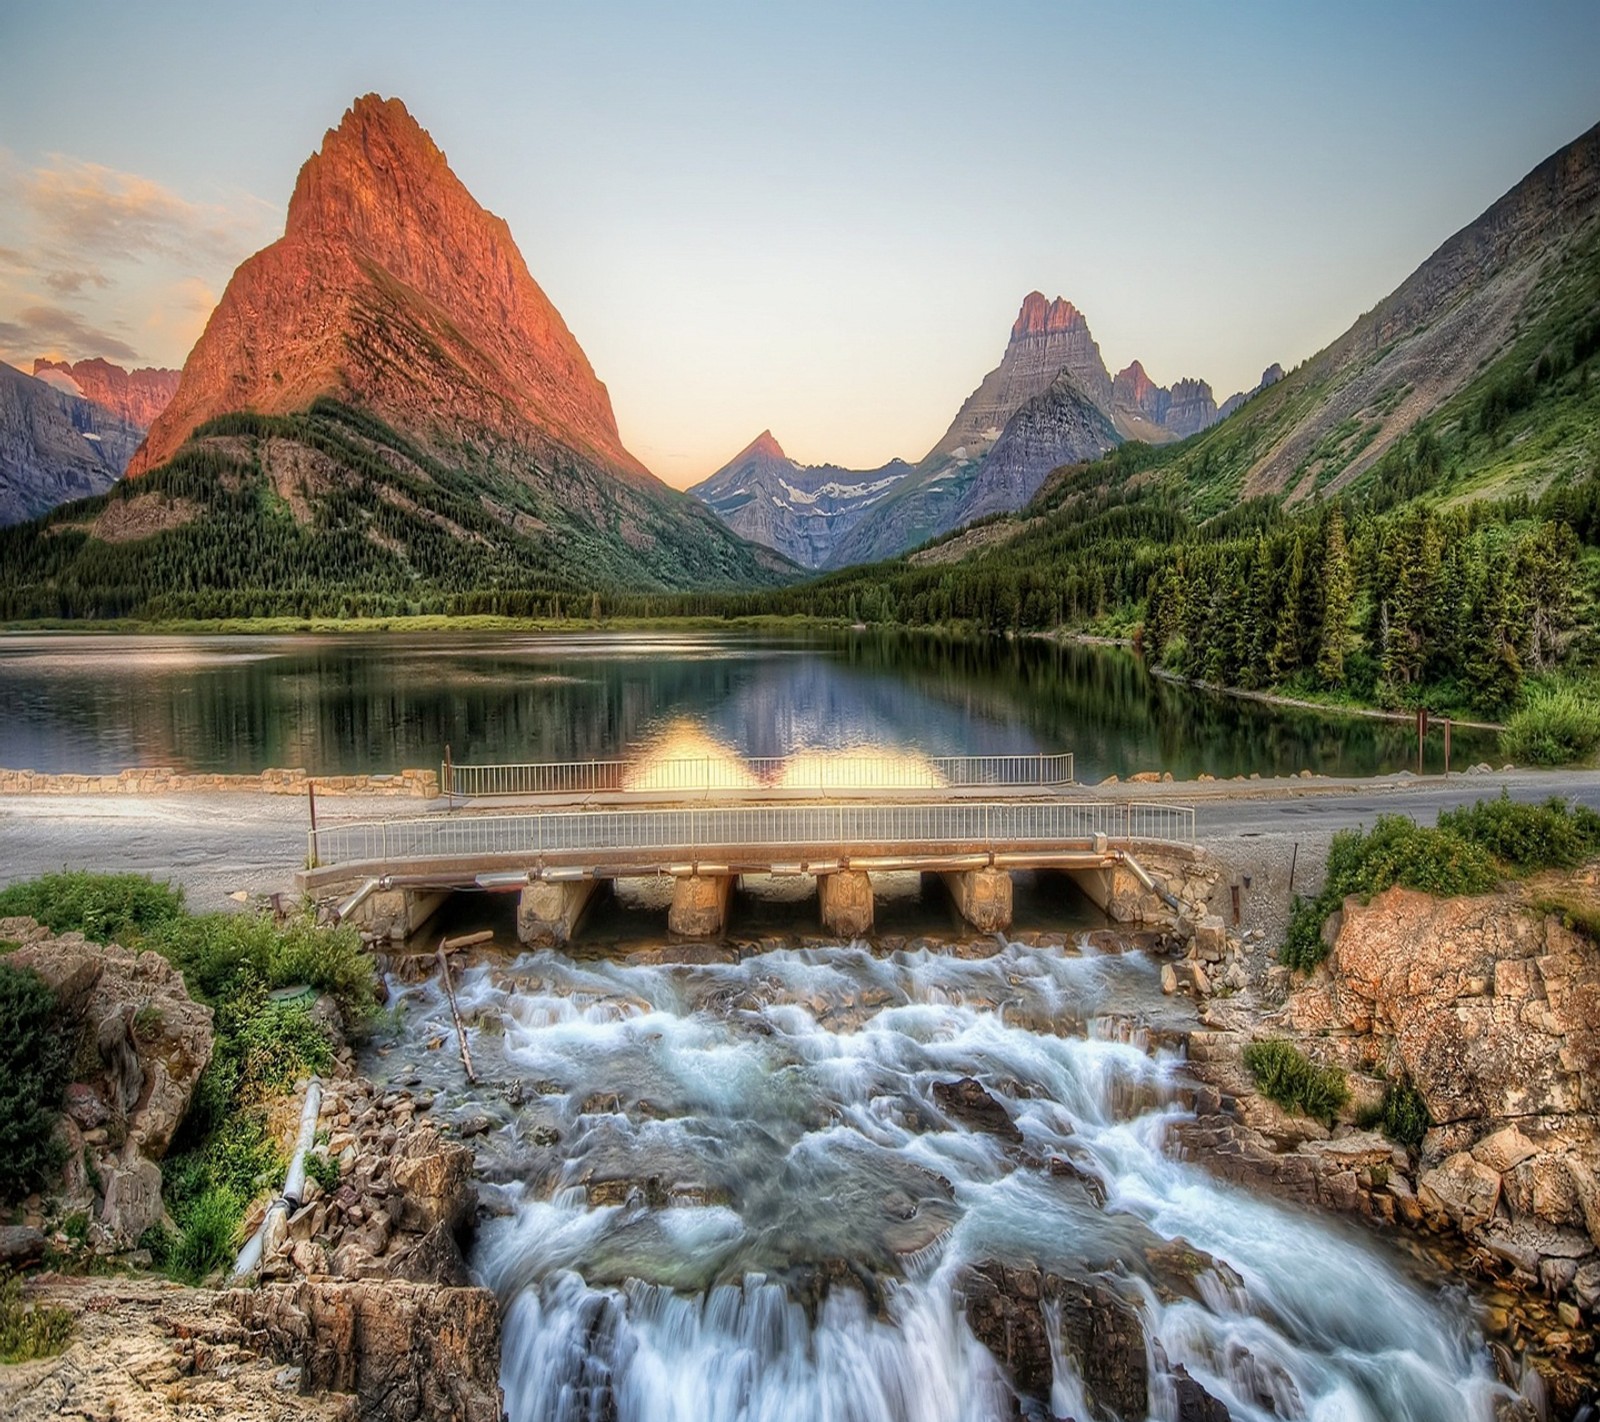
397, 872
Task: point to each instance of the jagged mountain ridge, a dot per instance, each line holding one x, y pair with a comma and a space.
55, 446
800, 510
1051, 356
136, 396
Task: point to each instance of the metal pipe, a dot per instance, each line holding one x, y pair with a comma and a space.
249, 1257
1139, 872
350, 905
294, 1183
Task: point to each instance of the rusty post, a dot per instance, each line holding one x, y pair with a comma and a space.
449, 779
1447, 747
1235, 891
311, 798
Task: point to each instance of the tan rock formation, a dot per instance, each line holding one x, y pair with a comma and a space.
149, 1041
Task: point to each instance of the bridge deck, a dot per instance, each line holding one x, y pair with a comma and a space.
739, 838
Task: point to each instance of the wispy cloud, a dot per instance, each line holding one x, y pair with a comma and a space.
53, 330
87, 251
87, 208
71, 283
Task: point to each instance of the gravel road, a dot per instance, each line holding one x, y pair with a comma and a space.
216, 845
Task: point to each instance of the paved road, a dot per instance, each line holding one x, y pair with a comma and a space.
215, 845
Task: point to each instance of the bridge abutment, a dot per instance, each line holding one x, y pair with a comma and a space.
700, 905
982, 897
548, 912
846, 902
398, 913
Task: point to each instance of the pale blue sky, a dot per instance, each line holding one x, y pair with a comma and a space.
819, 218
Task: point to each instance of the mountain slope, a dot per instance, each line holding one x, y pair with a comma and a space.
55, 446
393, 293
330, 512
1476, 315
1060, 425
801, 510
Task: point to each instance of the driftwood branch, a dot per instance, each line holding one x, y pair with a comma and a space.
455, 1012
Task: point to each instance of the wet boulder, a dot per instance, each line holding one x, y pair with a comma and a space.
1100, 1333
975, 1109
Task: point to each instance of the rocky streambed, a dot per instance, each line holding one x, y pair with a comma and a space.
923, 1181
923, 1185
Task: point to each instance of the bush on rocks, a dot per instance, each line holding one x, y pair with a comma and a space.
1525, 838
1285, 1075
35, 1060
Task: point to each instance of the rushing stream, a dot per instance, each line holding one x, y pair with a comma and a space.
731, 1190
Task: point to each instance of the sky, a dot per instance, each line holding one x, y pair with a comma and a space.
816, 218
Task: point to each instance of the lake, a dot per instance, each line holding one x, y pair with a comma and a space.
342, 704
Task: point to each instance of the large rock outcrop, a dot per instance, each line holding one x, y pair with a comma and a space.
143, 1042
407, 1352
1490, 1009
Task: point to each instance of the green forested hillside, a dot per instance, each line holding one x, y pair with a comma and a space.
332, 512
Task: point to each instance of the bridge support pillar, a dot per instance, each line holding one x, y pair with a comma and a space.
398, 913
549, 912
982, 897
846, 901
700, 905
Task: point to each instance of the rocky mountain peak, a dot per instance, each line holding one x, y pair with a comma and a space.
1039, 316
392, 288
763, 446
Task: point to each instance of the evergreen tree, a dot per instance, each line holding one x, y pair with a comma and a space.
1338, 592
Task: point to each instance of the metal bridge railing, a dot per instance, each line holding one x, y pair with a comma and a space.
863, 773
777, 831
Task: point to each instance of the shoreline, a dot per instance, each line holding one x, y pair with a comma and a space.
1273, 698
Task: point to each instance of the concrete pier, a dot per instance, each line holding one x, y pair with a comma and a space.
700, 905
548, 913
398, 913
846, 902
982, 897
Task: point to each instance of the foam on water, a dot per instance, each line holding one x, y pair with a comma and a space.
797, 1207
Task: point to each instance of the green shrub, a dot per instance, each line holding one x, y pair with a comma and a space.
1283, 1074
208, 1232
36, 1051
1395, 851
29, 1331
1553, 835
108, 908
222, 955
1404, 1116
324, 1169
1555, 727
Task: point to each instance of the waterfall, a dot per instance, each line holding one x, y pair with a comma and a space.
733, 1191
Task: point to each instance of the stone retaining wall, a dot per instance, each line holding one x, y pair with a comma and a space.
165, 780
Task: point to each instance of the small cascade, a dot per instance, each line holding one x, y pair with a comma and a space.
760, 1190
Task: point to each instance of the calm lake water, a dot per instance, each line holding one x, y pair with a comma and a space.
345, 704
